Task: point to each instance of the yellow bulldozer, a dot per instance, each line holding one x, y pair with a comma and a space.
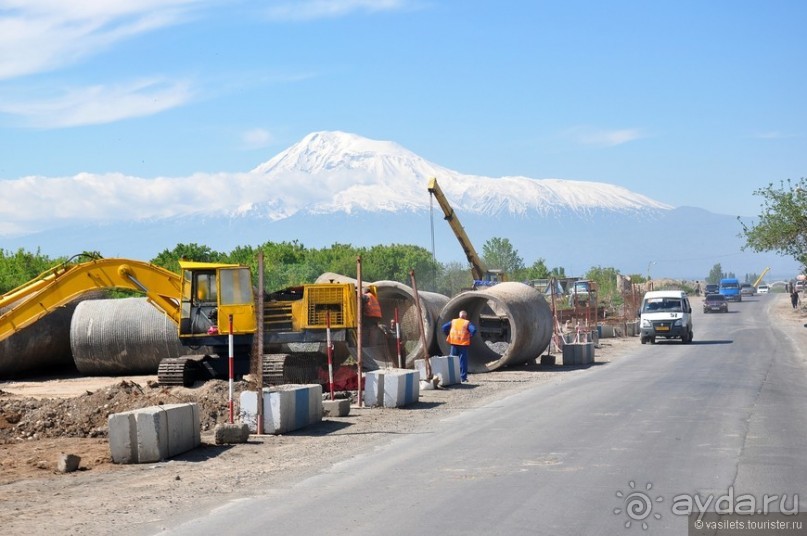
208, 302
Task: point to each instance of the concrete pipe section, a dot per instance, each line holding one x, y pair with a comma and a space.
41, 348
393, 295
513, 320
44, 346
123, 336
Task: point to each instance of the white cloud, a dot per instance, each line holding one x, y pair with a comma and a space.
606, 138
99, 104
256, 138
44, 35
318, 9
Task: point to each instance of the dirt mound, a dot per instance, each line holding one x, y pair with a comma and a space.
86, 416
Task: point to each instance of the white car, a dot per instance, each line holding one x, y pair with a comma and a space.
763, 289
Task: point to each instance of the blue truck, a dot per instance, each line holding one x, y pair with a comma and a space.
730, 288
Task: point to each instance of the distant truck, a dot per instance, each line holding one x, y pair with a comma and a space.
730, 288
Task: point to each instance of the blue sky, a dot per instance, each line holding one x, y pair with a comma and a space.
695, 103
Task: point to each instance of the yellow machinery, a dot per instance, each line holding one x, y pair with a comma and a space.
481, 274
759, 279
202, 301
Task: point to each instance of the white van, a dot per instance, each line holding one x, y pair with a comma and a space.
665, 313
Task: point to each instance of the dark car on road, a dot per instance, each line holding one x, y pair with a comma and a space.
711, 289
715, 303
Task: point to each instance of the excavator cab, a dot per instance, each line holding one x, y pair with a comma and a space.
211, 295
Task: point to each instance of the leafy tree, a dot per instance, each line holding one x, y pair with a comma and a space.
169, 259
394, 262
715, 275
453, 278
782, 225
498, 253
606, 282
22, 266
537, 270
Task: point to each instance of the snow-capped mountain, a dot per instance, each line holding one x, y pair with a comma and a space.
343, 172
336, 187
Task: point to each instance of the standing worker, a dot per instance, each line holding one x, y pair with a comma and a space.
794, 297
459, 332
371, 311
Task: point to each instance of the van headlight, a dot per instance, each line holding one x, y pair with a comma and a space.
646, 323
678, 323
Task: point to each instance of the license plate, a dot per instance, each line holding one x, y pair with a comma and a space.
662, 328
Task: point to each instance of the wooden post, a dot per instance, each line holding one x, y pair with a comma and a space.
420, 325
360, 309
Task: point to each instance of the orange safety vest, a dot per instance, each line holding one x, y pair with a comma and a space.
372, 309
459, 334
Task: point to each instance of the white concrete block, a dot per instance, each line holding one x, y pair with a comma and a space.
154, 433
445, 368
391, 387
285, 408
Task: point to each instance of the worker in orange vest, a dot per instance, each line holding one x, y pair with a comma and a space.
458, 334
371, 314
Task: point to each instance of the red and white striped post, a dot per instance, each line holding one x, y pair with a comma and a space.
398, 338
330, 351
232, 368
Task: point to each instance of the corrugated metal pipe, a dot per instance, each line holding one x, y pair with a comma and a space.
514, 325
43, 347
123, 336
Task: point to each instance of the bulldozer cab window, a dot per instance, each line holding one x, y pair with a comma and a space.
205, 290
236, 286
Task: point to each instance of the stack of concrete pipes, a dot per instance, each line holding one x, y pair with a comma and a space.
130, 336
521, 307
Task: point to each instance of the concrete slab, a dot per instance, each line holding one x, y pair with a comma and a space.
285, 408
154, 433
391, 388
445, 368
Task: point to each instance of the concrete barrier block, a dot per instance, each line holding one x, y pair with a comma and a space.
392, 388
578, 354
285, 408
154, 433
445, 368
167, 430
123, 437
336, 408
228, 434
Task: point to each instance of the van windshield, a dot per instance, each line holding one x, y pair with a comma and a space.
658, 305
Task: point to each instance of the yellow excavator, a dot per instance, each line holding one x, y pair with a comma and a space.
204, 302
481, 274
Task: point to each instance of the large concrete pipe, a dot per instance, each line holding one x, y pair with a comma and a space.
393, 295
123, 336
514, 325
43, 347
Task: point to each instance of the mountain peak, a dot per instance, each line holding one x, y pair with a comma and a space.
356, 173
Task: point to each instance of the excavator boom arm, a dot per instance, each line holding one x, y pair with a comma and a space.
55, 288
478, 269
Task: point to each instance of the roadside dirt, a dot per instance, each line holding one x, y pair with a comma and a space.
39, 420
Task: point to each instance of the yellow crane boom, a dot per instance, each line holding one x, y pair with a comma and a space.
759, 279
478, 268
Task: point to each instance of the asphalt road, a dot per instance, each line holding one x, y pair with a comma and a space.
635, 442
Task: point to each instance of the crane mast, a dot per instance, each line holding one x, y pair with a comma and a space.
478, 268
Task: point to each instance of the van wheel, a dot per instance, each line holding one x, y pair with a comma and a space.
689, 337
643, 340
